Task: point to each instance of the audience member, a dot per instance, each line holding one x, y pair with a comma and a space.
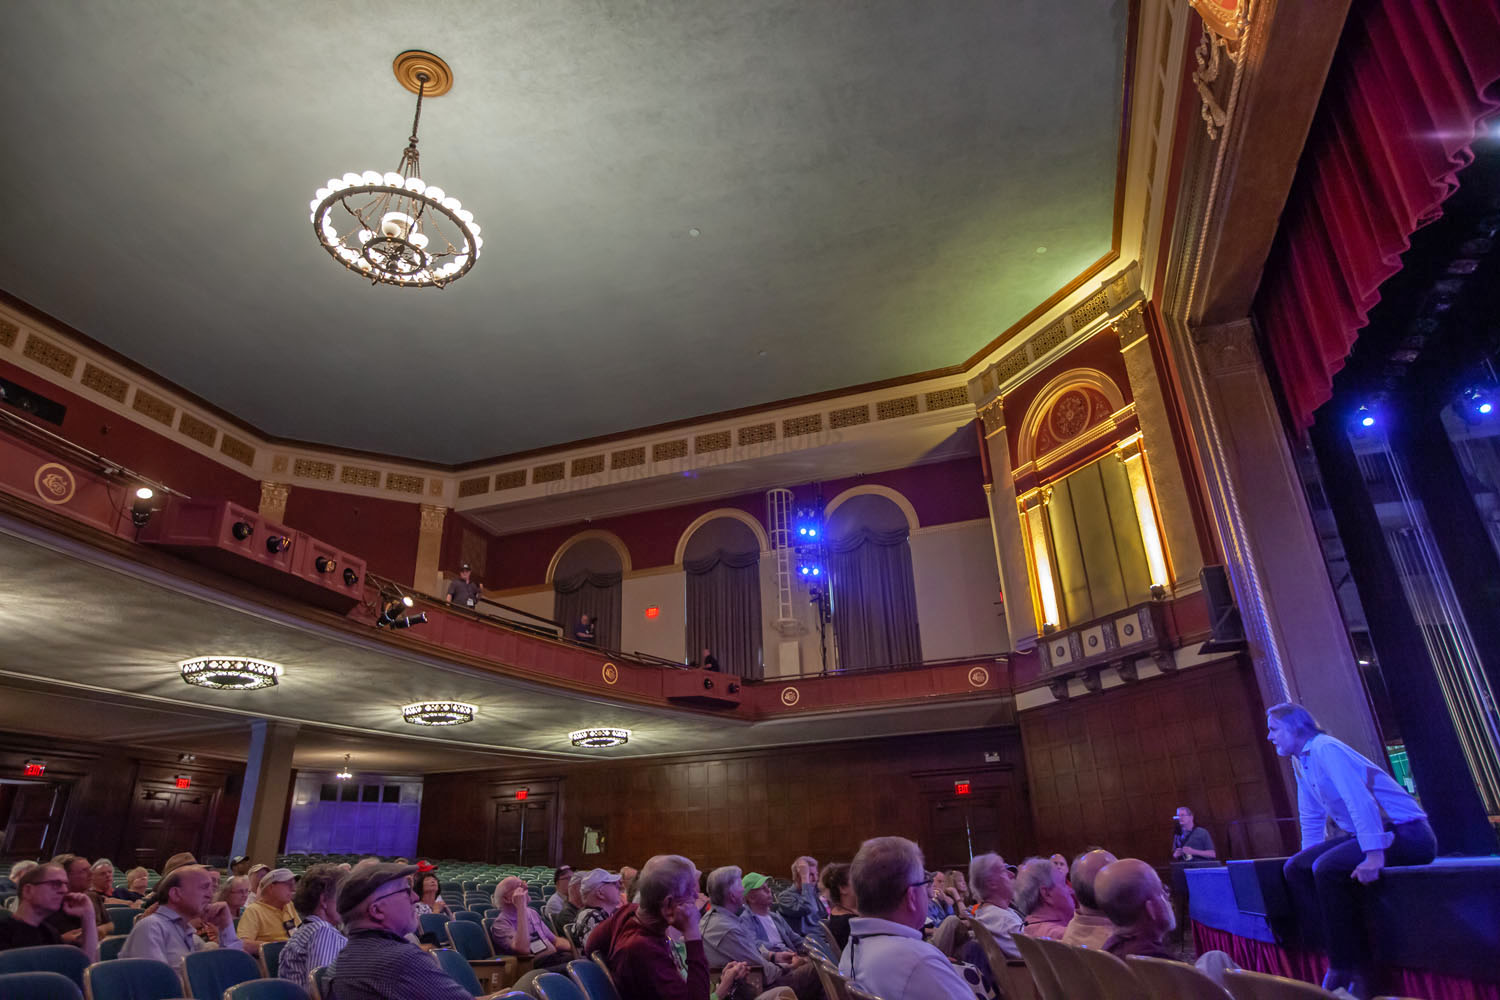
1132, 896
569, 913
102, 883
68, 926
41, 892
841, 906
801, 905
235, 891
886, 954
939, 903
462, 591
137, 883
994, 886
1061, 864
559, 899
601, 897
179, 860
1090, 926
184, 896
1043, 898
271, 917
429, 893
628, 876
709, 661
519, 930
318, 940
728, 937
255, 874
378, 907
8, 885
585, 632
239, 865
958, 888
634, 939
769, 927
1190, 842
1374, 822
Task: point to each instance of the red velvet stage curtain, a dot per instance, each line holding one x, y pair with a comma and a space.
1409, 88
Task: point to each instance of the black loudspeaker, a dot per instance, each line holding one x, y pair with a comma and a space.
1228, 632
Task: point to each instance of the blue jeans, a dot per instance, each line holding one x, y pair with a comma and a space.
1320, 875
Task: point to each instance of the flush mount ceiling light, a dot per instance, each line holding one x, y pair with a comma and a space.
603, 737
438, 713
393, 227
231, 673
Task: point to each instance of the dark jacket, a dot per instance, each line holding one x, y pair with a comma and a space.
640, 959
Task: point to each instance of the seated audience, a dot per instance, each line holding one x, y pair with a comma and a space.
841, 906
102, 883
41, 891
317, 941
708, 661
519, 930
271, 917
1191, 842
769, 927
1132, 896
184, 897
728, 937
634, 940
601, 896
1060, 863
958, 889
67, 925
628, 876
939, 903
886, 954
555, 902
1044, 899
585, 632
569, 911
994, 885
429, 891
378, 907
239, 865
8, 885
234, 891
801, 905
255, 874
137, 882
1090, 927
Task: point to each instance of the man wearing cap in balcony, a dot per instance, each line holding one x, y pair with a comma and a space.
271, 917
463, 591
378, 907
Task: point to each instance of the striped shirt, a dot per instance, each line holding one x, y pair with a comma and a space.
313, 945
379, 965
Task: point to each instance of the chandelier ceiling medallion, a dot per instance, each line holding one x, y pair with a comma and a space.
599, 737
232, 673
438, 713
393, 227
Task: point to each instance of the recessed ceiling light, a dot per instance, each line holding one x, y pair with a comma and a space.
1041, 249
231, 673
599, 737
695, 231
438, 713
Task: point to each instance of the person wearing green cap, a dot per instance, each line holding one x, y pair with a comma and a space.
728, 936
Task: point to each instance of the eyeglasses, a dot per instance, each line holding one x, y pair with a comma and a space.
55, 883
925, 881
399, 892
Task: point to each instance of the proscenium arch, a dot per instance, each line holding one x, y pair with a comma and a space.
893, 496
734, 513
608, 537
1088, 378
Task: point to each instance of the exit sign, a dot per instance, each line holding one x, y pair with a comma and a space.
961, 788
653, 612
521, 793
183, 781
35, 768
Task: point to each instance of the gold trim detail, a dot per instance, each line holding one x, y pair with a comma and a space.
510, 480
901, 406
664, 451
790, 696
1092, 308
549, 473
237, 449
357, 475
946, 399
105, 384
801, 426
279, 463
756, 434
311, 468
401, 482
627, 458
979, 677
610, 673
412, 62
432, 517
157, 409
8, 332
849, 416
473, 487
54, 483
199, 430
587, 466
710, 442
48, 354
273, 497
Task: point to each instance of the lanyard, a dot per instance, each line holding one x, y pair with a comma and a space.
854, 941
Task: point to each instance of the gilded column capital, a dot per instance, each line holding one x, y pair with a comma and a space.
273, 497
433, 515
1228, 348
1132, 326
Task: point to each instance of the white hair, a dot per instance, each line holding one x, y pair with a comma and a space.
719, 881
21, 868
1035, 875
663, 876
982, 871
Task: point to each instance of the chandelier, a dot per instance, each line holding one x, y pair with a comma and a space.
438, 713
236, 673
602, 737
392, 227
345, 774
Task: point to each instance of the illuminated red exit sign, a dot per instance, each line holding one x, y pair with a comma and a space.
183, 781
35, 768
521, 793
653, 612
961, 788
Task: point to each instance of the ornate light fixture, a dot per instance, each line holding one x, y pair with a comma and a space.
232, 673
345, 774
392, 227
438, 713
601, 737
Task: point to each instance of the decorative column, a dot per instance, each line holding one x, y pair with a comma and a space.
273, 497
268, 782
1010, 545
429, 579
1162, 470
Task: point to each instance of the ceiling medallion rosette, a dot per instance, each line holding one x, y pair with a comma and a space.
438, 713
598, 738
230, 673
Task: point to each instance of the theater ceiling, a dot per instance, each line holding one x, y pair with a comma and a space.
877, 189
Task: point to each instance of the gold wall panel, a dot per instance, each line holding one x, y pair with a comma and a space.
240, 451
890, 409
627, 458
549, 473
157, 409
473, 487
8, 331
849, 416
105, 384
46, 353
401, 482
1055, 333
1090, 309
510, 480
799, 426
199, 430
756, 434
586, 466
356, 475
712, 441
666, 450
309, 468
946, 399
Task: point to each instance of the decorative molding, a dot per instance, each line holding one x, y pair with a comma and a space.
279, 463
1228, 348
551, 472
627, 458
946, 399
665, 451
589, 465
892, 409
992, 416
1131, 326
48, 354
875, 489
811, 423
401, 482
710, 442
157, 409
273, 498
8, 332
733, 514
848, 416
105, 384
1224, 28
358, 475
433, 515
311, 468
199, 430
473, 486
756, 434
613, 540
510, 480
1090, 378
237, 450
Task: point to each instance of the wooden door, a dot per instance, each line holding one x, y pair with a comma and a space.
164, 822
523, 831
31, 818
992, 817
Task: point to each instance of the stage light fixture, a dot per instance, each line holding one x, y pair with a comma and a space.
392, 614
242, 530
1365, 417
140, 508
325, 564
1480, 400
599, 737
350, 577
278, 543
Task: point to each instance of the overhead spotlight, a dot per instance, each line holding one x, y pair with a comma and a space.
1365, 417
1479, 400
242, 530
278, 543
708, 683
140, 508
325, 564
392, 614
350, 577
734, 688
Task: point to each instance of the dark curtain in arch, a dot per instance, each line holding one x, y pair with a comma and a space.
594, 594
875, 599
723, 610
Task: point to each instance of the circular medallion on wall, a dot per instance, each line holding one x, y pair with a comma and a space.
611, 673
979, 677
54, 483
1060, 650
1070, 415
790, 696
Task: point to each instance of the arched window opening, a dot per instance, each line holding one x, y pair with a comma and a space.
587, 582
722, 565
874, 596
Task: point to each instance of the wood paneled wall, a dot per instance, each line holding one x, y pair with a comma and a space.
1110, 769
759, 810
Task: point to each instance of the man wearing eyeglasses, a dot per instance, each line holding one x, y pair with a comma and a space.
186, 897
379, 910
43, 891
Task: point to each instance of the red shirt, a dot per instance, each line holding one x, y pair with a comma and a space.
640, 959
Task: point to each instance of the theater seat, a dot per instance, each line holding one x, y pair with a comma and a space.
131, 979
63, 959
459, 970
1244, 985
594, 979
210, 973
266, 989
38, 986
551, 986
1166, 978
110, 947
270, 957
1113, 976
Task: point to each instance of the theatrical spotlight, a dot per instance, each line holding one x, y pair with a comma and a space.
277, 543
140, 509
1478, 401
393, 614
350, 577
242, 530
1364, 417
325, 564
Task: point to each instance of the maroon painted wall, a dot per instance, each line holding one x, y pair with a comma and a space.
382, 532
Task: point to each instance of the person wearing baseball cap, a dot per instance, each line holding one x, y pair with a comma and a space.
271, 917
462, 591
378, 907
239, 865
600, 891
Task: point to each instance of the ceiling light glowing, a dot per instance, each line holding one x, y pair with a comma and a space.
345, 774
438, 713
602, 737
230, 673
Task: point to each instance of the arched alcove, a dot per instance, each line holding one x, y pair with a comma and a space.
586, 576
874, 593
721, 566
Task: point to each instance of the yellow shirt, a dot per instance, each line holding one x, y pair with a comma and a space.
262, 922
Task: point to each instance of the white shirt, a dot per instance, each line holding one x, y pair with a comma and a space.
893, 961
1334, 781
1002, 922
773, 935
167, 937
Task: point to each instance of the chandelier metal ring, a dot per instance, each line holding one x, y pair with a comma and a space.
230, 673
438, 713
599, 737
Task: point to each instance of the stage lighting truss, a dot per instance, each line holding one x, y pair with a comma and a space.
601, 737
230, 673
438, 713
